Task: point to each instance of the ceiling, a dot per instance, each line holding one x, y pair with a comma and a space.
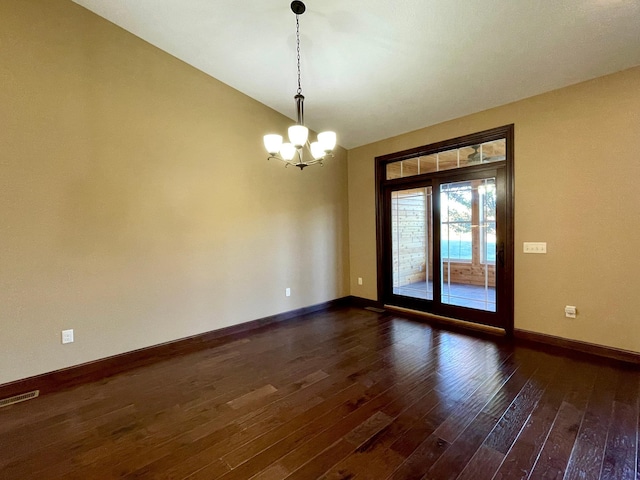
372, 69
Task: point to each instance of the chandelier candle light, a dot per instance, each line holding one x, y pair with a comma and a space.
293, 152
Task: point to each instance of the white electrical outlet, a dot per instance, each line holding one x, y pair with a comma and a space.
359, 280
67, 336
570, 311
535, 247
287, 292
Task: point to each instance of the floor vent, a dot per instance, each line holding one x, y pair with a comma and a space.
375, 309
5, 402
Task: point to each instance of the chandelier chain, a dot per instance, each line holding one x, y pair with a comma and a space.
298, 52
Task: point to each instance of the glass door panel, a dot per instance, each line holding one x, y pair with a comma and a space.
412, 243
468, 244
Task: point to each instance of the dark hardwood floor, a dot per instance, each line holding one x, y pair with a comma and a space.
342, 394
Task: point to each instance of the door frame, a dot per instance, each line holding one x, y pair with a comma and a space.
503, 168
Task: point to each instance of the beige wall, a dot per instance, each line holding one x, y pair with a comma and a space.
577, 173
136, 202
137, 207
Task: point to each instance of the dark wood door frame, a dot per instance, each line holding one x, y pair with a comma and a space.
503, 168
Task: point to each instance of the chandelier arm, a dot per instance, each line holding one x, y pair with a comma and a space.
276, 157
286, 162
300, 154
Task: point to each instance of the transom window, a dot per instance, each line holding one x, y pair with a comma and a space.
494, 151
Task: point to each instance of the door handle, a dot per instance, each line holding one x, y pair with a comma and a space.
501, 255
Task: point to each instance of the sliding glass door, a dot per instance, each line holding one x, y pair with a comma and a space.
468, 244
412, 242
445, 232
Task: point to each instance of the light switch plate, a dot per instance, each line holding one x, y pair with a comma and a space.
535, 247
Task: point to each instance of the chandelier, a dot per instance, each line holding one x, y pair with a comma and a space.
298, 151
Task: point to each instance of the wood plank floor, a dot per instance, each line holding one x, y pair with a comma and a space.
342, 394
